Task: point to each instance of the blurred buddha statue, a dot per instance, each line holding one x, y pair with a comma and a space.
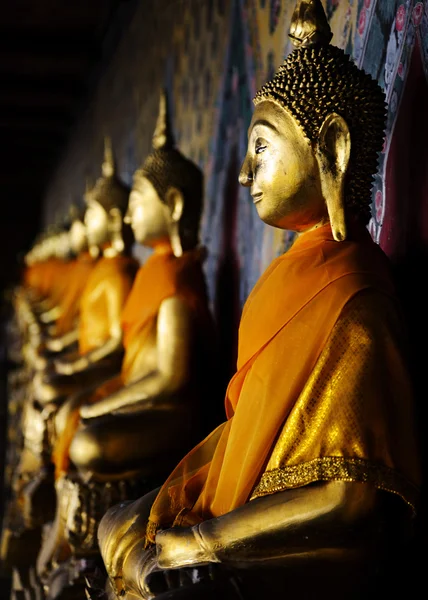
134, 428
57, 326
54, 326
316, 467
97, 331
64, 315
44, 282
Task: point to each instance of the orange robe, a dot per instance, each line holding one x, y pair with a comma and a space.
162, 276
302, 408
49, 279
103, 299
77, 276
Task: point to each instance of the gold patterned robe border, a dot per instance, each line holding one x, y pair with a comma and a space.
353, 420
336, 468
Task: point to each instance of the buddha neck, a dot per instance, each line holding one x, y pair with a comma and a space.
163, 247
357, 231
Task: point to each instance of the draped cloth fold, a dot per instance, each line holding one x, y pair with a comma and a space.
286, 327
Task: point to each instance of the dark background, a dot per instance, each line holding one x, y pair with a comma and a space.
51, 54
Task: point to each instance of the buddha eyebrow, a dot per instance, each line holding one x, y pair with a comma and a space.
264, 123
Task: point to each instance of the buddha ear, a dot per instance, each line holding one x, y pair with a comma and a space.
174, 201
116, 224
332, 153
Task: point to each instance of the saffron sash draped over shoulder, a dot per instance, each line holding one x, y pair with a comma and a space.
284, 428
103, 299
78, 275
49, 279
162, 276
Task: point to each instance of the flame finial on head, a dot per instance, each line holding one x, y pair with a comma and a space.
163, 138
89, 184
109, 166
73, 212
309, 25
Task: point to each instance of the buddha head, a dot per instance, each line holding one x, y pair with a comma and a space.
166, 199
77, 233
315, 135
53, 243
107, 202
42, 248
62, 246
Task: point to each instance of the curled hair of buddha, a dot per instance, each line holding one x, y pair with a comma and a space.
166, 167
109, 190
318, 79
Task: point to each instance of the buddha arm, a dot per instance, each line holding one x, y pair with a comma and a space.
172, 351
42, 306
314, 521
113, 345
58, 344
51, 315
51, 387
24, 311
90, 359
321, 520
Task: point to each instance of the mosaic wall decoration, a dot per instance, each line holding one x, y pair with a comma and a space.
212, 55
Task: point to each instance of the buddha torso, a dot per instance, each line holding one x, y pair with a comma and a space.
69, 303
103, 298
163, 276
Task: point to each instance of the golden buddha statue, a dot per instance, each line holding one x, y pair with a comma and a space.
57, 325
133, 428
98, 334
316, 463
64, 314
44, 282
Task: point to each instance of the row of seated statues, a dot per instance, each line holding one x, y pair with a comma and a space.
313, 477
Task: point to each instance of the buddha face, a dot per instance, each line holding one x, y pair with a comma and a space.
147, 214
97, 224
62, 245
78, 237
282, 171
48, 247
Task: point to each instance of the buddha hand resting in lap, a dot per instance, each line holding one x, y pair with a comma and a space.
317, 460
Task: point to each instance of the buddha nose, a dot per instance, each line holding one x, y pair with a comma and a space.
246, 175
